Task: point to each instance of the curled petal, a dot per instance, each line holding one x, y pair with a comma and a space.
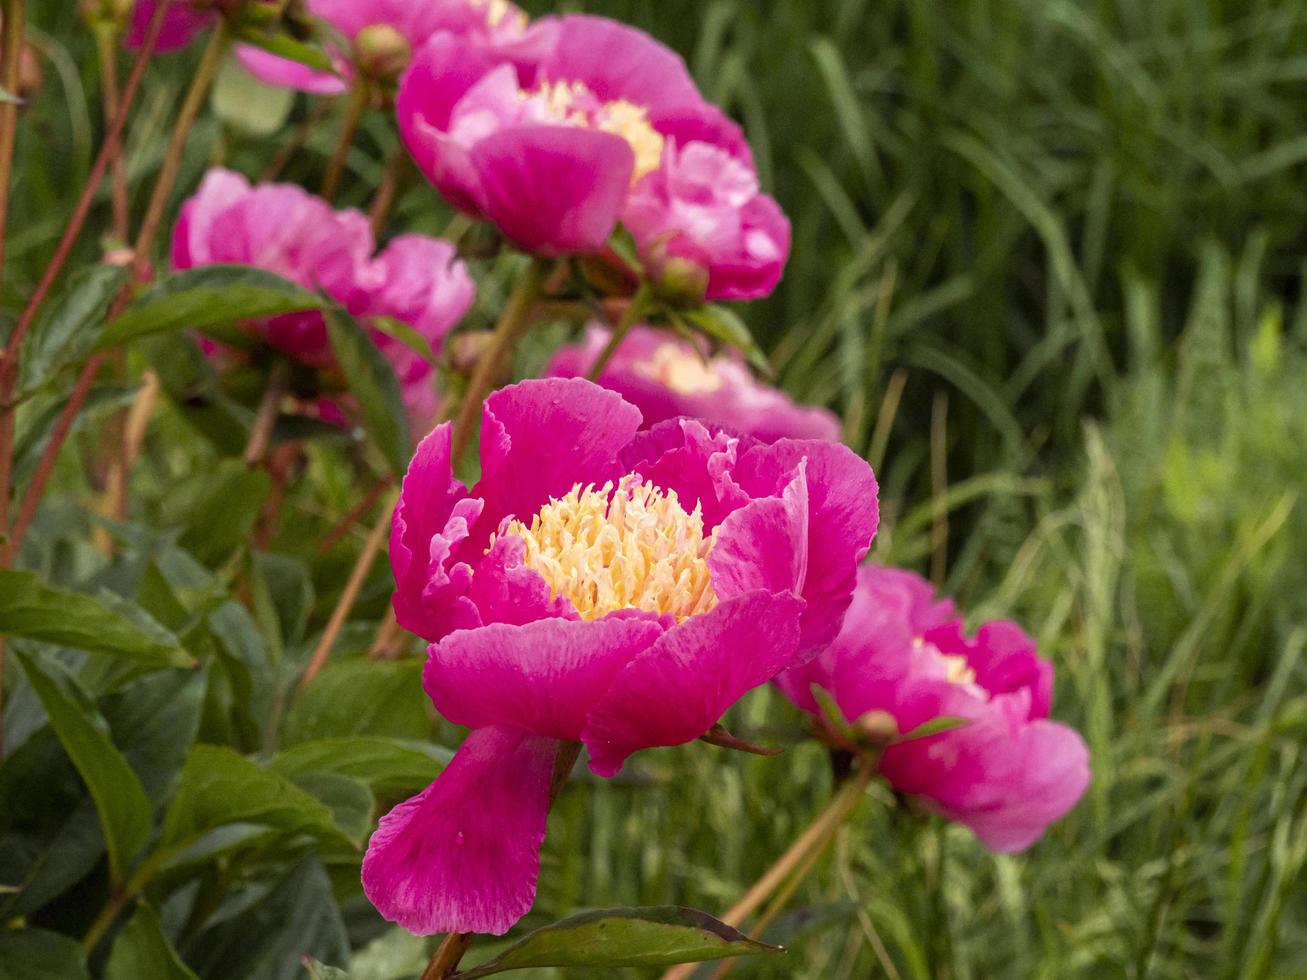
678, 688
463, 855
543, 676
431, 519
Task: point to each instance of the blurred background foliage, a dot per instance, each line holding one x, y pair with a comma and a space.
1047, 265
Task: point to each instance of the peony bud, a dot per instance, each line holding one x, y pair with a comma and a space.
382, 52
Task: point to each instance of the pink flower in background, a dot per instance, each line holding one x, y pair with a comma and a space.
550, 150
601, 584
183, 21
495, 26
1008, 772
286, 230
704, 207
665, 377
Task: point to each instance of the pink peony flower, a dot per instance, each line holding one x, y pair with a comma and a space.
549, 151
600, 584
183, 21
496, 26
665, 377
286, 230
1008, 772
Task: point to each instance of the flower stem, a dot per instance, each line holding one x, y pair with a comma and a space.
351, 592
358, 101
455, 944
150, 225
513, 322
107, 49
11, 43
798, 859
637, 308
265, 419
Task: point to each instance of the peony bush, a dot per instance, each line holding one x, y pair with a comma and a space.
649, 529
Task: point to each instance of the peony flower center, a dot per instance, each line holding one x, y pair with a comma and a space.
680, 370
957, 671
629, 546
574, 104
498, 11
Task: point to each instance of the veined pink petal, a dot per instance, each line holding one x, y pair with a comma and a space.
464, 854
544, 676
553, 190
679, 688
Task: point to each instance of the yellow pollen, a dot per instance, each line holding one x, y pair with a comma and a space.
957, 671
632, 546
680, 370
566, 102
498, 10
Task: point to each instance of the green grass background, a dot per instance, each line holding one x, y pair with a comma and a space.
1047, 267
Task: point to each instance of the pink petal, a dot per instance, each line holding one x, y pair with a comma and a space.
464, 854
618, 62
542, 677
842, 521
697, 462
271, 70
431, 519
678, 688
553, 190
539, 438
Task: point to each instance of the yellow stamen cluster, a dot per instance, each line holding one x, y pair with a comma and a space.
957, 670
680, 370
498, 10
618, 117
629, 546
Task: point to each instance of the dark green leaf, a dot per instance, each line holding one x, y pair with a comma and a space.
374, 385
220, 787
224, 515
386, 765
407, 336
657, 936
142, 951
267, 933
721, 323
350, 800
35, 611
68, 328
35, 954
211, 295
125, 809
361, 697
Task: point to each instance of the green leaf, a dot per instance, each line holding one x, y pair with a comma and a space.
35, 611
361, 697
374, 385
721, 323
387, 766
320, 971
142, 950
220, 787
407, 336
35, 431
284, 46
350, 800
223, 516
67, 329
266, 931
212, 295
125, 809
944, 723
35, 954
657, 936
